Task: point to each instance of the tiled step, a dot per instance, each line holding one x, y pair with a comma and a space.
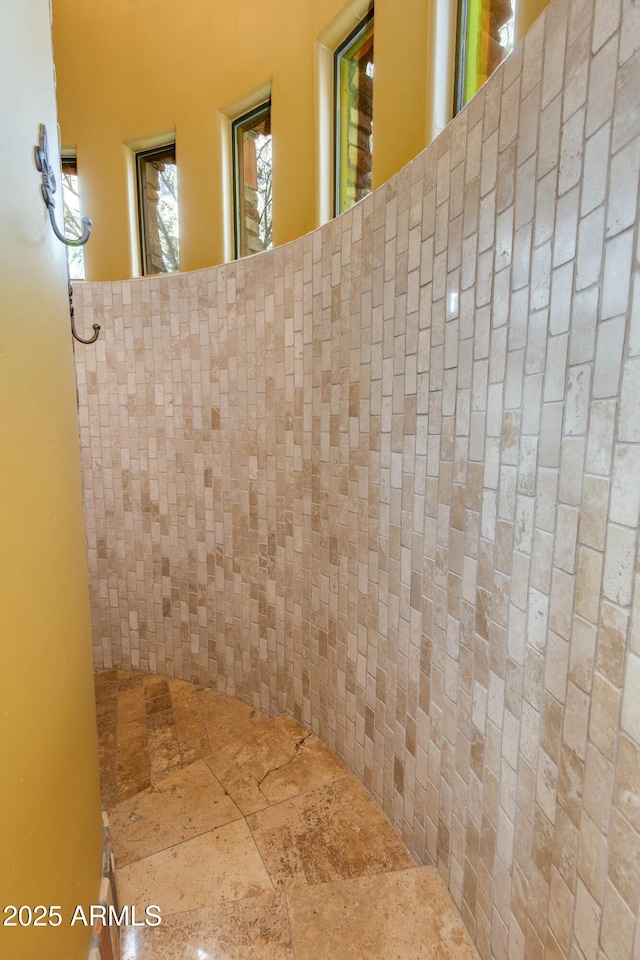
150, 726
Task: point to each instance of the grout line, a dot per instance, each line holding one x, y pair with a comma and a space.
179, 843
255, 843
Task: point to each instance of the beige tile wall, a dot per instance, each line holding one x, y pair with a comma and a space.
387, 478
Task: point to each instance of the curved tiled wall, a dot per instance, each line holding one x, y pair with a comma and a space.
385, 478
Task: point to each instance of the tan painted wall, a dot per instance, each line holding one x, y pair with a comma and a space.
129, 73
50, 822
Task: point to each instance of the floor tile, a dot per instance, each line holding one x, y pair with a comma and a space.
406, 915
182, 806
254, 929
129, 678
216, 867
191, 750
131, 704
240, 804
108, 758
330, 833
106, 682
134, 773
154, 686
280, 760
164, 751
227, 719
106, 688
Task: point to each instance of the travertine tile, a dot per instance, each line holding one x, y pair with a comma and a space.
312, 838
252, 929
623, 859
280, 760
587, 920
598, 787
215, 867
618, 925
383, 480
605, 22
183, 805
592, 858
622, 189
602, 83
404, 914
630, 31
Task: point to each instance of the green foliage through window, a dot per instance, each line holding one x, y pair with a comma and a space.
485, 38
354, 116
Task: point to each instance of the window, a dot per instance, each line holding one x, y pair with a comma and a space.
485, 38
354, 115
252, 167
72, 216
157, 174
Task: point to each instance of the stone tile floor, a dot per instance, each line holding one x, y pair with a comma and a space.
252, 838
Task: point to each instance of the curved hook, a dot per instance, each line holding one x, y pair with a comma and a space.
49, 187
96, 333
78, 241
96, 326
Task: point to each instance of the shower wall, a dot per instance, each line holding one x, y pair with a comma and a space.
387, 478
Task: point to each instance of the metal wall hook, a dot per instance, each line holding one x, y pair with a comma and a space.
96, 326
49, 187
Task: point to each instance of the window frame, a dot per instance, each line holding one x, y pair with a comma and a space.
340, 50
462, 54
261, 110
139, 157
69, 159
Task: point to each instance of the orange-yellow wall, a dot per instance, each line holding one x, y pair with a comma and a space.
129, 74
400, 99
526, 14
50, 821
